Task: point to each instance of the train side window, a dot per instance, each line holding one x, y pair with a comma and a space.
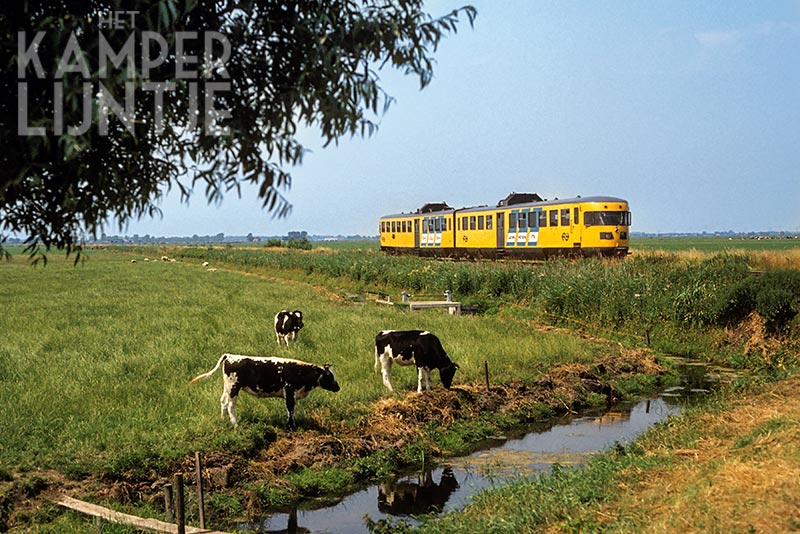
480, 222
565, 217
471, 222
523, 220
512, 220
576, 216
553, 217
488, 222
542, 219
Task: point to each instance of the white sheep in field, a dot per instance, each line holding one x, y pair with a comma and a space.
205, 264
164, 258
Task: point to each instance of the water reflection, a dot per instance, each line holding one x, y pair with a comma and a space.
420, 495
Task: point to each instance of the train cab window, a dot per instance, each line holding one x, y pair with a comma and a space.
553, 217
575, 216
565, 217
542, 219
488, 222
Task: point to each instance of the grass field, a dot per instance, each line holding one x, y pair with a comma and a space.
96, 358
714, 244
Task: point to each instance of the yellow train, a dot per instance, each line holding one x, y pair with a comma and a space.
522, 225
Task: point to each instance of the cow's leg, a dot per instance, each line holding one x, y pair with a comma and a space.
386, 367
228, 402
223, 402
289, 395
278, 337
286, 339
423, 373
232, 411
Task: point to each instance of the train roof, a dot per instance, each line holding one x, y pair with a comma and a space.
446, 210
545, 202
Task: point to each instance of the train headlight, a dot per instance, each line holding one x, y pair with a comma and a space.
607, 235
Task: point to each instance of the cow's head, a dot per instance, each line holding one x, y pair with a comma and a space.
327, 380
446, 374
298, 319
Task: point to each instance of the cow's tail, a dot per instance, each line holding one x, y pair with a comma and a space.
211, 372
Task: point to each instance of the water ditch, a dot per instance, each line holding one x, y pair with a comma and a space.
569, 440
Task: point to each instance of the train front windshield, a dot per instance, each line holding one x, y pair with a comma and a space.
607, 218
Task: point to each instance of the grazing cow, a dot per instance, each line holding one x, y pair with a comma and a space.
269, 377
406, 347
288, 325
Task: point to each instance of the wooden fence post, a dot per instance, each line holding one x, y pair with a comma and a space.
169, 505
486, 373
180, 512
198, 468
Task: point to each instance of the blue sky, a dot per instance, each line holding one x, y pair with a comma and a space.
690, 110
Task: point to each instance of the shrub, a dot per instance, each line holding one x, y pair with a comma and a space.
774, 295
302, 244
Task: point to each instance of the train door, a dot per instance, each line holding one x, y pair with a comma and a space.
416, 233
575, 227
533, 227
501, 231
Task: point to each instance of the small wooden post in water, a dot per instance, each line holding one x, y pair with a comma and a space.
169, 508
198, 468
486, 373
180, 515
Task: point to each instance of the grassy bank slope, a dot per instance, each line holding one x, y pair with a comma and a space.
732, 465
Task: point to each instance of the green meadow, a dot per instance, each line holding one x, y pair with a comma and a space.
96, 358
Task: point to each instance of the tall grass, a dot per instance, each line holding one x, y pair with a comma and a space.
668, 295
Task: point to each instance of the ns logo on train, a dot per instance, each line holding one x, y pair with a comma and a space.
522, 225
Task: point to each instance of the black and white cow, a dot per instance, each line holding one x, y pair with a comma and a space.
269, 377
406, 347
288, 325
